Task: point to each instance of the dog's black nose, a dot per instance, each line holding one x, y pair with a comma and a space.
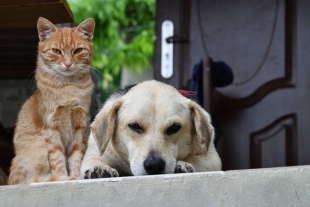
154, 165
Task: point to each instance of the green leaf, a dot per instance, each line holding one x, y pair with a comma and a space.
124, 34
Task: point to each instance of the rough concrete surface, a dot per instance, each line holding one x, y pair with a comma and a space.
262, 187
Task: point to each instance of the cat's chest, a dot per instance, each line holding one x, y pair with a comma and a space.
67, 118
67, 99
72, 97
66, 110
66, 94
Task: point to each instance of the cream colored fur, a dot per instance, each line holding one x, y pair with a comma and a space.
114, 149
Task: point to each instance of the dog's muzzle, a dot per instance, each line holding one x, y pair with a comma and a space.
154, 165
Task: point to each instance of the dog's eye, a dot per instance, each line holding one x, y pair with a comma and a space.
174, 128
136, 127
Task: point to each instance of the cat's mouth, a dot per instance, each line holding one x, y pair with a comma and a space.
66, 71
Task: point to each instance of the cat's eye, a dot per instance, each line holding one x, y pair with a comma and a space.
136, 127
56, 51
78, 50
174, 128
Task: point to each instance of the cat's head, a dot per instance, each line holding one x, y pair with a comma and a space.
66, 51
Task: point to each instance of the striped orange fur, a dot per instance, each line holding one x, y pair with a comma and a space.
52, 125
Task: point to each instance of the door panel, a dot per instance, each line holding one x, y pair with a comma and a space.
303, 81
256, 115
265, 143
262, 122
249, 36
270, 156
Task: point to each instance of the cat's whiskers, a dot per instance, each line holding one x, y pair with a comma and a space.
94, 75
31, 81
96, 72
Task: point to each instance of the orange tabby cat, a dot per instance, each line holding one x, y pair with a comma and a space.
52, 126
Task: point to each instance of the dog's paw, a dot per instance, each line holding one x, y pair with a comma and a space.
184, 167
100, 172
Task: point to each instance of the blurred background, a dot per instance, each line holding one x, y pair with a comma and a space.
123, 39
247, 61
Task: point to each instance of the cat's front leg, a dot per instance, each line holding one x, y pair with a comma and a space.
76, 153
56, 154
78, 147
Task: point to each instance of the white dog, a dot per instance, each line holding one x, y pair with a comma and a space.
150, 128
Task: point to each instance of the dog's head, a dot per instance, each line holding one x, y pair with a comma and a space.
152, 126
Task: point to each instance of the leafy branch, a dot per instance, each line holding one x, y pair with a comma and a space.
124, 34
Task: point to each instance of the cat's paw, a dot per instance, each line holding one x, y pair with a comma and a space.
100, 172
54, 178
74, 178
184, 167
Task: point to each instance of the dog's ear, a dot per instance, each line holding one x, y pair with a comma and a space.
204, 129
103, 126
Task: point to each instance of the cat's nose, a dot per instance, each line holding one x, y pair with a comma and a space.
68, 65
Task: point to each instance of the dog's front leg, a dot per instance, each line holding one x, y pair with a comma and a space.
100, 171
94, 165
201, 163
184, 167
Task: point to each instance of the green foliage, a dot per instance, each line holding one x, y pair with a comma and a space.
124, 34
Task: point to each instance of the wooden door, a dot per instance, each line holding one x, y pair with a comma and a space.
263, 116
177, 11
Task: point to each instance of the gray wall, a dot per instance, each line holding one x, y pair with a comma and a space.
13, 93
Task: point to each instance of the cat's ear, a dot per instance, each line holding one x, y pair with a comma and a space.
87, 28
45, 28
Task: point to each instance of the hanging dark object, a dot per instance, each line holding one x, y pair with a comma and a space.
222, 74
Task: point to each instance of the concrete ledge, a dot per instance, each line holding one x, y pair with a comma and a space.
262, 187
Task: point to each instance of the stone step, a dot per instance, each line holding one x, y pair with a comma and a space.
289, 186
